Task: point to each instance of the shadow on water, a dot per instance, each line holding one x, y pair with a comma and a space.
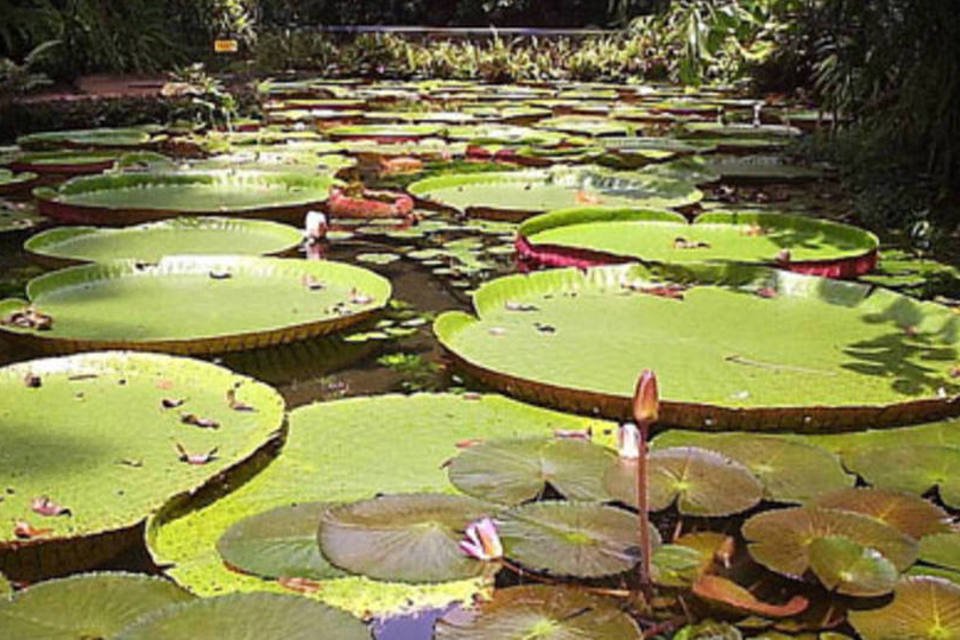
415, 626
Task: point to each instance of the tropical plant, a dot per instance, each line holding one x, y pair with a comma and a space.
19, 79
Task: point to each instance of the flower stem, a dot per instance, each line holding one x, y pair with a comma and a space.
643, 514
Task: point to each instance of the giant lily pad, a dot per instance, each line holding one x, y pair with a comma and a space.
504, 134
514, 471
279, 543
586, 126
521, 193
18, 216
739, 130
592, 236
908, 513
198, 304
96, 605
716, 338
791, 471
87, 138
151, 241
923, 608
763, 170
581, 539
915, 469
140, 197
551, 613
65, 162
849, 568
89, 448
384, 132
700, 482
265, 616
403, 538
335, 452
781, 540
11, 182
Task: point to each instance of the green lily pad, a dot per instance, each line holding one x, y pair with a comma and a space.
293, 157
923, 608
851, 569
65, 162
265, 616
692, 169
941, 549
18, 217
6, 589
699, 482
790, 470
876, 358
514, 471
335, 452
403, 538
586, 126
781, 540
739, 130
580, 539
87, 138
763, 170
11, 182
520, 193
905, 512
378, 258
279, 543
615, 235
95, 605
199, 304
483, 134
674, 565
520, 613
95, 439
916, 469
419, 117
123, 198
152, 241
384, 131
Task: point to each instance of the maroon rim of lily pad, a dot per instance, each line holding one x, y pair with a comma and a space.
551, 255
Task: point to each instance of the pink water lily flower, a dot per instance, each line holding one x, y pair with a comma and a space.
482, 541
628, 441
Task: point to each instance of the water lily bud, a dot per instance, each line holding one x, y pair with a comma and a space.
628, 441
783, 257
646, 399
482, 541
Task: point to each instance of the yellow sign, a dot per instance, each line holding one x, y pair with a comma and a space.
225, 46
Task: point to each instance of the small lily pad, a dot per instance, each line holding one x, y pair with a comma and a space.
700, 482
280, 543
264, 616
540, 612
941, 549
923, 608
377, 258
781, 540
96, 605
514, 471
906, 512
406, 538
846, 567
915, 469
581, 539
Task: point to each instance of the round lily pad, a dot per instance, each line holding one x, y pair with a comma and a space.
924, 608
739, 130
791, 471
95, 605
87, 138
540, 611
18, 217
915, 469
151, 241
781, 540
732, 346
941, 549
846, 567
514, 471
279, 543
384, 132
126, 198
591, 236
11, 182
581, 125
94, 443
198, 304
905, 512
482, 134
335, 452
759, 170
522, 193
265, 616
65, 162
403, 538
580, 539
700, 482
